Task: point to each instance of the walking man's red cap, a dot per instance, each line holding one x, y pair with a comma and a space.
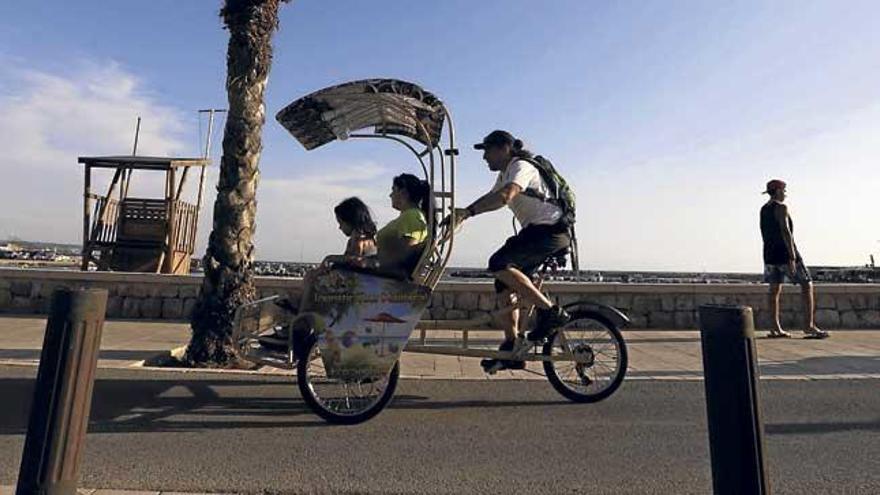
774, 185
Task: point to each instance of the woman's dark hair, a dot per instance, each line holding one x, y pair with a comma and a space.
354, 212
419, 192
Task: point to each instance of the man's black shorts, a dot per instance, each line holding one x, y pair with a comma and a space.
528, 249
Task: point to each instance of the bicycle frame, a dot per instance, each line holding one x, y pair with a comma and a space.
479, 324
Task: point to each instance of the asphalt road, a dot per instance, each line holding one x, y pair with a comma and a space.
199, 432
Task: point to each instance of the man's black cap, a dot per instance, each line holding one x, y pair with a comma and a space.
496, 138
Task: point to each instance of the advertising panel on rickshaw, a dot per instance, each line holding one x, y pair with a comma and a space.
362, 321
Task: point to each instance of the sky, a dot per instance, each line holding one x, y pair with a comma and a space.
667, 117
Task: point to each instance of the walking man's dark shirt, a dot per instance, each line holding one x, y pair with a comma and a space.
775, 250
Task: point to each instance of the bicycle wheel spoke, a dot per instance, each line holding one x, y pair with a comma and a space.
588, 358
345, 395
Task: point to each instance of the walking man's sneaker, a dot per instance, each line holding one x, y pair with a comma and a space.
816, 333
547, 322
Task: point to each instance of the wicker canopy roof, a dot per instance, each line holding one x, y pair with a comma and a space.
388, 106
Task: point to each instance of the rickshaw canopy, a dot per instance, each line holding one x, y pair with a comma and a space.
388, 106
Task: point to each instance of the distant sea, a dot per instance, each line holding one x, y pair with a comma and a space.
830, 274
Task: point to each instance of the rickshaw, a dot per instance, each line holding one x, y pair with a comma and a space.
346, 336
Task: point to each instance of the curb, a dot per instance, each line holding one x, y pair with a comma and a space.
10, 490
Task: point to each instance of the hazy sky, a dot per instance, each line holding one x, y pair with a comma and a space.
668, 117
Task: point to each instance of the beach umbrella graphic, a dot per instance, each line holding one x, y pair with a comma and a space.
384, 319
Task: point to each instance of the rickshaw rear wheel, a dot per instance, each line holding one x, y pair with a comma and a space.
598, 358
338, 401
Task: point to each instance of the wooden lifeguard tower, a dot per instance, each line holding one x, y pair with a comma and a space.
124, 233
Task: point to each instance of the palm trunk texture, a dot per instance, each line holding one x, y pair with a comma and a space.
228, 261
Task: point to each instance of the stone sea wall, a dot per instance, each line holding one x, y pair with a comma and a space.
666, 306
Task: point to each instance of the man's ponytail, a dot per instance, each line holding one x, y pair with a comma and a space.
518, 150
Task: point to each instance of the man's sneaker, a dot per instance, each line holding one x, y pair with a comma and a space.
816, 333
519, 349
492, 365
547, 322
275, 342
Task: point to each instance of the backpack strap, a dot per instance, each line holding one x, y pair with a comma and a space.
533, 193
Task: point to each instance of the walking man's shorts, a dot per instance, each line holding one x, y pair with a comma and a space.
778, 274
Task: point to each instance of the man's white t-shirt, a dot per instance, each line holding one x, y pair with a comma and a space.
527, 209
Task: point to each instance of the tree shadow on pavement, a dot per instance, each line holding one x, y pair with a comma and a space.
817, 365
660, 340
826, 427
823, 365
121, 405
184, 405
421, 403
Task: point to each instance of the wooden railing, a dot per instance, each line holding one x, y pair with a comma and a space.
184, 216
105, 220
145, 220
145, 209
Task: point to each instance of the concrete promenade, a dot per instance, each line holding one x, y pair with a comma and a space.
653, 354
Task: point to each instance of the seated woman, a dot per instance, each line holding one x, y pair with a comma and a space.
401, 242
398, 245
355, 222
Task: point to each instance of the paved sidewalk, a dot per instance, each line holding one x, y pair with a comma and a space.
653, 354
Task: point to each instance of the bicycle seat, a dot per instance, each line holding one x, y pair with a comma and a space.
557, 260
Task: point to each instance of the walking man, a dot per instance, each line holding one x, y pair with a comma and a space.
520, 187
783, 261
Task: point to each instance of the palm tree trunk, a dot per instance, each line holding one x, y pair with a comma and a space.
228, 262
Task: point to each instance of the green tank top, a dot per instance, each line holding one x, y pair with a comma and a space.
410, 224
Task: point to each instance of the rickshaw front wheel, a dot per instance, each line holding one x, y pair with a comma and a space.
343, 401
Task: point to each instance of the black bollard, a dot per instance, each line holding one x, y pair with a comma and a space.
736, 432
63, 393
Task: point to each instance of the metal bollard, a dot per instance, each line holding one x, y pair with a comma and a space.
63, 393
736, 432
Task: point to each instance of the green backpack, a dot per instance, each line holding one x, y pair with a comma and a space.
561, 194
